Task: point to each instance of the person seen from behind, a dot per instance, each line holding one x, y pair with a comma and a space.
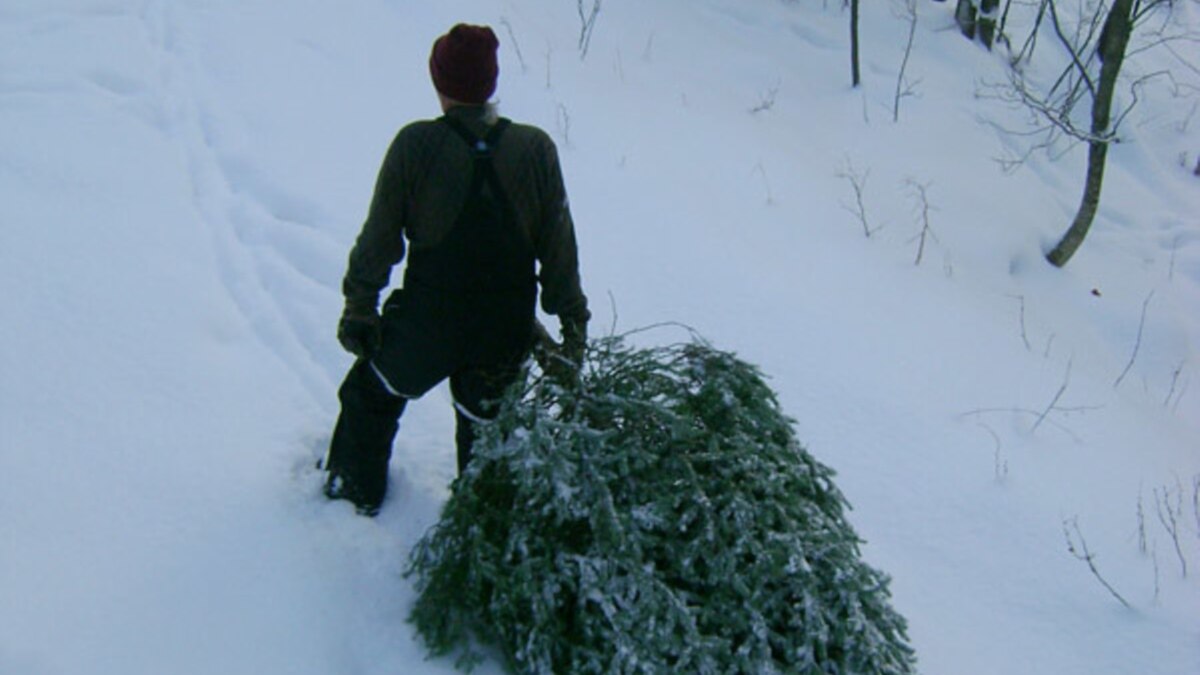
477, 204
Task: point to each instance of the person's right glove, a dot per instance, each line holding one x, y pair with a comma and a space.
359, 331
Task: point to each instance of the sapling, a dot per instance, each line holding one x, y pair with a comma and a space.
920, 191
904, 88
858, 182
1169, 518
587, 24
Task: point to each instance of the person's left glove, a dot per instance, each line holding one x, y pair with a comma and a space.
359, 331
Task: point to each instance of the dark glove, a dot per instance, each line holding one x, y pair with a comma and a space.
359, 332
560, 362
574, 334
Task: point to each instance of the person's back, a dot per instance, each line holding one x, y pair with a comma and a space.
481, 204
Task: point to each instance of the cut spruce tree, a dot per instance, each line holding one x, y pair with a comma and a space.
656, 515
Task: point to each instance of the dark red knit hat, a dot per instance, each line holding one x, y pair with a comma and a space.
463, 63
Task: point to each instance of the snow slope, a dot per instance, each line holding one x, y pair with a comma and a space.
180, 183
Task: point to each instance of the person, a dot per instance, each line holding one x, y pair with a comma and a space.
479, 203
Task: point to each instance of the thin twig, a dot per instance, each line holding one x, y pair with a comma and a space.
612, 303
1174, 382
1196, 501
1054, 401
921, 192
1182, 392
564, 124
1024, 336
761, 170
1170, 523
512, 38
858, 181
587, 22
1034, 413
1049, 344
1000, 464
1137, 345
1141, 523
767, 101
910, 10
1083, 553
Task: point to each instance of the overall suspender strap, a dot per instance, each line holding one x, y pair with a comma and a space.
478, 145
481, 151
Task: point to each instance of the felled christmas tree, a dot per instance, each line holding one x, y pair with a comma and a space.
661, 516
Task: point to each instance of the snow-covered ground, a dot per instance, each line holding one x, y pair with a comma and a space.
180, 183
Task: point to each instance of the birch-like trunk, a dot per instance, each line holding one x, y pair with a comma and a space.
1113, 40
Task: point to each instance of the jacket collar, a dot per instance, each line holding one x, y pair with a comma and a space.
478, 118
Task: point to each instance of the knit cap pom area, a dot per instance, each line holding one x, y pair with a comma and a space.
463, 64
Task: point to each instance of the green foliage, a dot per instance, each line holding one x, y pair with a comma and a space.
660, 517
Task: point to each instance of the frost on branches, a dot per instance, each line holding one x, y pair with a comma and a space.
661, 517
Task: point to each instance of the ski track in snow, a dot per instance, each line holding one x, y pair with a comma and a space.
265, 238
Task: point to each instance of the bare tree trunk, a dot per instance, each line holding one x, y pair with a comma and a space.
965, 13
1004, 19
1097, 152
855, 78
1113, 39
987, 21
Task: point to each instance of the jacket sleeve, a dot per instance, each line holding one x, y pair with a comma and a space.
380, 244
562, 294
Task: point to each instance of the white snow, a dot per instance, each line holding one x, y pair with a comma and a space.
180, 183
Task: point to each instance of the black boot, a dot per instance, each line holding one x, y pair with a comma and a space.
362, 440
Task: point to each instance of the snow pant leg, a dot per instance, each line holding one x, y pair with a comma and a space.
362, 439
475, 391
